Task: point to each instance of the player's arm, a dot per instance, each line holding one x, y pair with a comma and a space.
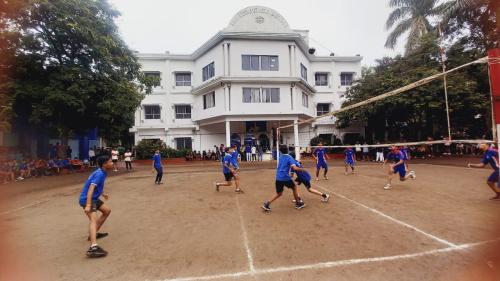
297, 169
314, 155
480, 165
90, 192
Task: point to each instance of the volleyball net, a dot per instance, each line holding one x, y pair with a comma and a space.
448, 140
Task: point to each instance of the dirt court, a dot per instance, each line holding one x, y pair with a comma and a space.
439, 227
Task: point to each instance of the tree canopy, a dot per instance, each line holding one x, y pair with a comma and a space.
66, 69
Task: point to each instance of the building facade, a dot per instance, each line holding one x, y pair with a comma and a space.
253, 76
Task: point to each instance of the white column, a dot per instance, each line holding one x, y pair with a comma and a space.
228, 133
296, 141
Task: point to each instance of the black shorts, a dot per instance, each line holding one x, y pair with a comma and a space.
228, 176
307, 184
281, 184
95, 205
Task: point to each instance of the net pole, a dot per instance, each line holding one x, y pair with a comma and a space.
445, 84
277, 146
494, 128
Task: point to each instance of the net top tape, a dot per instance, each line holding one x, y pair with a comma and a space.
419, 143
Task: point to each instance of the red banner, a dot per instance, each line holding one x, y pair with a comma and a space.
494, 65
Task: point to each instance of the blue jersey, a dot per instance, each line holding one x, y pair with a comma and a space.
227, 161
97, 178
303, 175
491, 157
405, 152
349, 155
234, 159
283, 171
395, 157
320, 155
157, 159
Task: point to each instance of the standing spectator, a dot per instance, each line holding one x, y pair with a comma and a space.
222, 152
248, 153
260, 152
114, 158
128, 160
358, 151
254, 153
92, 157
217, 153
59, 151
69, 152
460, 149
366, 152
380, 154
52, 151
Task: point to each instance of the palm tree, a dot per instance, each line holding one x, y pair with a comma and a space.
410, 16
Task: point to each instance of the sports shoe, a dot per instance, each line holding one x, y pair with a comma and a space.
387, 187
266, 207
99, 235
96, 252
495, 198
317, 179
239, 190
413, 175
326, 178
294, 201
300, 205
326, 198
216, 187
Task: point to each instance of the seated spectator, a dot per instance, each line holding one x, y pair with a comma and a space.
86, 164
41, 168
76, 164
66, 164
204, 154
6, 172
23, 170
53, 166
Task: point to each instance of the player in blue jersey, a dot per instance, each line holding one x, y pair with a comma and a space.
91, 203
229, 169
398, 166
320, 156
283, 178
303, 177
406, 156
490, 157
349, 160
158, 167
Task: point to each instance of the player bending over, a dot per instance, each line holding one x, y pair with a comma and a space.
90, 202
283, 178
305, 178
320, 155
490, 157
230, 171
398, 166
350, 160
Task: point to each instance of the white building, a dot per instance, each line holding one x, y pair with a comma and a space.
248, 79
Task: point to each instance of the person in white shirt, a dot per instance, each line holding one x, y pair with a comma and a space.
128, 160
114, 158
254, 153
92, 157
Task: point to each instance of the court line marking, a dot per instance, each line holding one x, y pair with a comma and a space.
443, 241
332, 264
24, 207
245, 238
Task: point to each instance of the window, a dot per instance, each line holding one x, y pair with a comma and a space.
156, 75
183, 79
271, 95
303, 72
258, 95
321, 79
182, 112
305, 100
322, 108
209, 100
152, 112
254, 62
346, 78
208, 71
269, 63
183, 143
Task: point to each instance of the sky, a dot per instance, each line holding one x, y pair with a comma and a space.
345, 27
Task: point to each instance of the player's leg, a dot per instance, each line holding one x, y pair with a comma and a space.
92, 215
390, 172
237, 183
325, 171
352, 168
324, 196
493, 184
105, 212
318, 167
346, 168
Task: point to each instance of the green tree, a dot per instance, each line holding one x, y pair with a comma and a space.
71, 70
410, 16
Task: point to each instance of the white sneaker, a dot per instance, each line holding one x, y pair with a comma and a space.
325, 199
20, 178
387, 187
413, 175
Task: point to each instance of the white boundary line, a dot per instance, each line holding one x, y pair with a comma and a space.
245, 239
24, 207
440, 240
331, 264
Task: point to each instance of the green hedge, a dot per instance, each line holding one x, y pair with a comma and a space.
146, 148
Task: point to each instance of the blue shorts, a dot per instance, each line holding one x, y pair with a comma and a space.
322, 164
494, 177
401, 169
349, 162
